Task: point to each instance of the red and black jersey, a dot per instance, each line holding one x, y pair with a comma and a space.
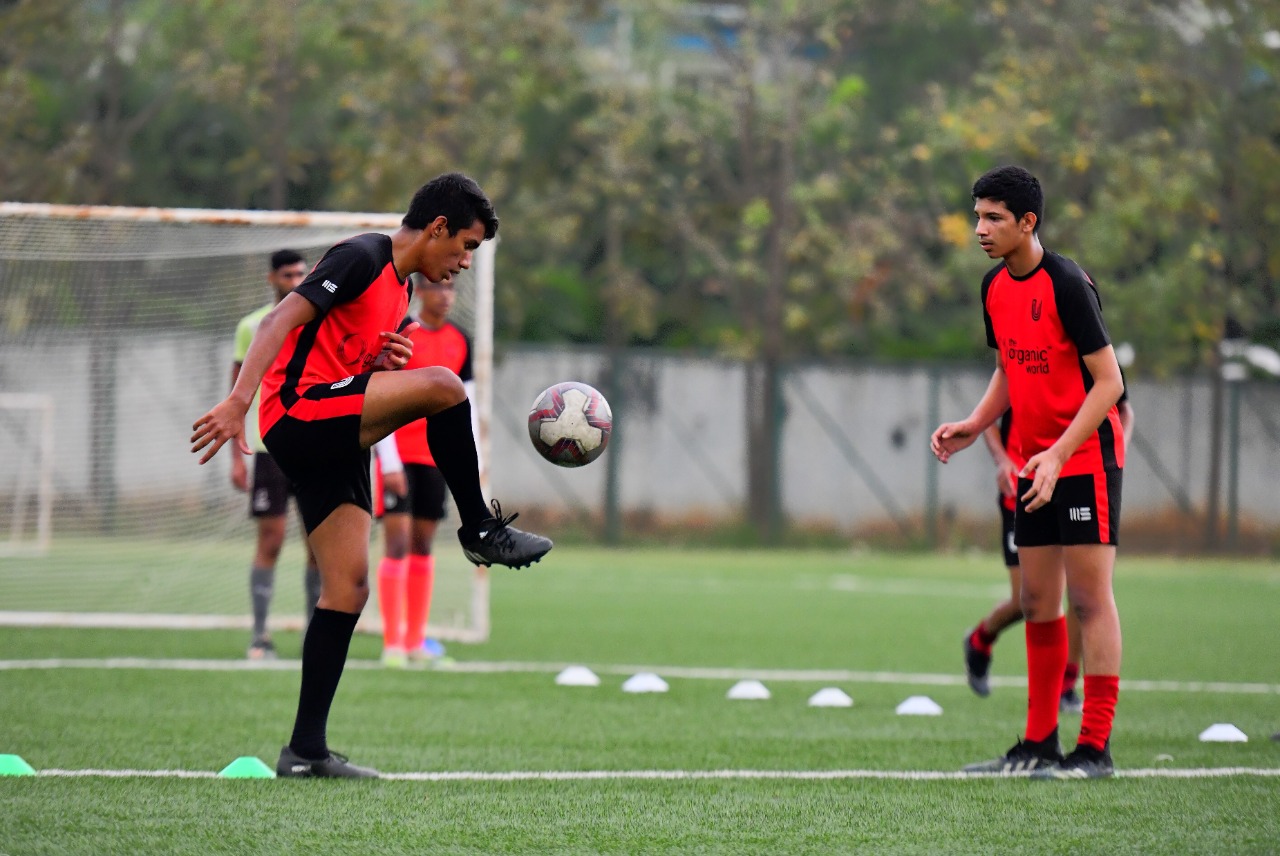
449, 347
1043, 325
359, 295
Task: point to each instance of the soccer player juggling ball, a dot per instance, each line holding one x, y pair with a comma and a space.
1056, 369
326, 357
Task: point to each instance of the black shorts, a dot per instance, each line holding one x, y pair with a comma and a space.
1008, 544
425, 500
317, 445
269, 494
1085, 509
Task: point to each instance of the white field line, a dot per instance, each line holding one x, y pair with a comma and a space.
690, 775
687, 672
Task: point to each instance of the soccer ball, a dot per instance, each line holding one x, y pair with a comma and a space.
570, 424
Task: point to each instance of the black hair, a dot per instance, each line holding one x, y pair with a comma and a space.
282, 258
1018, 189
458, 198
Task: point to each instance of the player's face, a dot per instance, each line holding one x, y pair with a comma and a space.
286, 278
999, 232
444, 255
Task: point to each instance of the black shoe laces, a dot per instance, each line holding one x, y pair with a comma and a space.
500, 535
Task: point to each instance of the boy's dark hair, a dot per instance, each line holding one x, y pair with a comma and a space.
1018, 189
280, 258
458, 198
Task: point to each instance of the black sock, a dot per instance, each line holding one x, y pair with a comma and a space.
311, 586
261, 584
324, 653
454, 450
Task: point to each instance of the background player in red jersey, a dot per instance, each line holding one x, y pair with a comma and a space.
1056, 369
1006, 454
326, 358
414, 500
270, 492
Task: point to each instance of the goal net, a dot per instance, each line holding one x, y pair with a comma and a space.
116, 333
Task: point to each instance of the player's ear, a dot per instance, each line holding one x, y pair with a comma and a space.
1029, 221
438, 227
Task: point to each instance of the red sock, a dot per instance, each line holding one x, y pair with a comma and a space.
982, 639
1100, 693
1046, 660
391, 601
1069, 676
417, 603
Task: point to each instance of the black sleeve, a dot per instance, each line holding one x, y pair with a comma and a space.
1080, 310
466, 373
986, 316
342, 275
1124, 394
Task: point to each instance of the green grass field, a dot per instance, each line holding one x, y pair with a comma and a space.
883, 626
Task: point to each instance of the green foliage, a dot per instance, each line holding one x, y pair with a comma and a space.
790, 178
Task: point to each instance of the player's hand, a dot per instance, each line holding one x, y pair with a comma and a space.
950, 438
239, 474
1007, 478
397, 349
1046, 467
222, 423
395, 483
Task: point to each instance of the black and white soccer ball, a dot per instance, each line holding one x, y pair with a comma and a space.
570, 424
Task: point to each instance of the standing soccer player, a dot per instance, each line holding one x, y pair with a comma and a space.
327, 357
413, 504
1056, 369
269, 494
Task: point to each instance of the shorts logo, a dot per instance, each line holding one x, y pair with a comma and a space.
329, 286
1036, 308
340, 384
1080, 514
261, 499
1011, 546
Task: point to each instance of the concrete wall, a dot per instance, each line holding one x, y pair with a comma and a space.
854, 441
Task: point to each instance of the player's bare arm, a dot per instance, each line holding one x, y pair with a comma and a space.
1126, 421
239, 472
951, 437
1108, 385
1005, 470
226, 421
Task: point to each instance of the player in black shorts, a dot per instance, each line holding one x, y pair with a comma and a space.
1056, 369
328, 359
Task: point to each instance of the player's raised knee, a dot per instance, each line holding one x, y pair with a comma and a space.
438, 385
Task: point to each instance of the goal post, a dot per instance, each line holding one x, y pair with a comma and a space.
26, 473
117, 330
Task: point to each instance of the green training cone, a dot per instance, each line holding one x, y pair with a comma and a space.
13, 765
247, 767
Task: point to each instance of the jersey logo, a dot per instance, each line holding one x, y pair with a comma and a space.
329, 286
1036, 308
1080, 514
340, 384
351, 350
